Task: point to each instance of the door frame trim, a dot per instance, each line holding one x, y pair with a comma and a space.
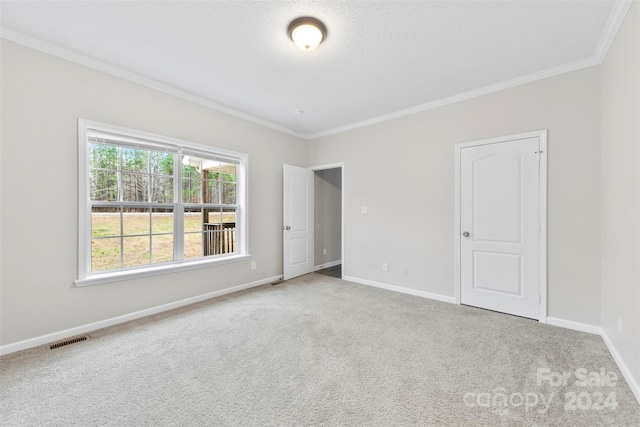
542, 212
342, 174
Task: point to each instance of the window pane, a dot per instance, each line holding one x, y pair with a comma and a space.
193, 220
191, 172
229, 231
204, 181
103, 185
161, 248
162, 221
135, 187
191, 179
136, 251
105, 222
103, 156
105, 254
161, 189
191, 190
135, 160
229, 193
161, 163
213, 216
220, 232
136, 221
229, 172
228, 183
211, 193
191, 167
192, 245
229, 216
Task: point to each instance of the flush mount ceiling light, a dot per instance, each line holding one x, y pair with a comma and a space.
307, 33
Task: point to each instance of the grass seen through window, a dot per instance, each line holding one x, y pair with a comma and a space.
138, 238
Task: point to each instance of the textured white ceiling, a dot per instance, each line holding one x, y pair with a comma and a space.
378, 58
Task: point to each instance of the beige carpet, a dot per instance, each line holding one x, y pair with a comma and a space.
320, 351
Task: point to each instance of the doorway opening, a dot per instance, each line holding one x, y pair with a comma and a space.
328, 220
328, 202
313, 242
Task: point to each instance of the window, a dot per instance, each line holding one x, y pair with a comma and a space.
149, 204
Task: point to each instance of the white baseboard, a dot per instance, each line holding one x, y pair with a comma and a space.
327, 265
402, 290
56, 336
576, 326
593, 329
633, 384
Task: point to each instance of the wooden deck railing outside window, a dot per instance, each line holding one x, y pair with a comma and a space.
219, 238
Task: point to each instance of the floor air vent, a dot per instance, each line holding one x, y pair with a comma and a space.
69, 341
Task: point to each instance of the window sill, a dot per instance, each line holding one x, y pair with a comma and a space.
117, 276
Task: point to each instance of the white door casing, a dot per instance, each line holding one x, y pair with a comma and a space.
501, 224
298, 222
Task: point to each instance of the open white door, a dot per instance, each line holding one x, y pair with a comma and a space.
500, 226
297, 221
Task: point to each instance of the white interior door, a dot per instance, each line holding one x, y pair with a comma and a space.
298, 221
500, 226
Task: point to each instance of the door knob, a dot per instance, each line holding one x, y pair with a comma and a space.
287, 228
465, 234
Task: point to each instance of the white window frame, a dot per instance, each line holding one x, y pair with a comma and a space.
85, 276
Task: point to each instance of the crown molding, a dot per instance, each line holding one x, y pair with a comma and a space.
98, 65
551, 72
620, 9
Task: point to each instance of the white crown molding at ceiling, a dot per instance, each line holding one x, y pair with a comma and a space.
614, 22
618, 13
98, 65
551, 72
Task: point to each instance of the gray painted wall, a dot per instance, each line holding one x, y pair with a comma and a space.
42, 98
621, 191
403, 170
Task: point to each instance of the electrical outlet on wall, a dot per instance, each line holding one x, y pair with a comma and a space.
253, 265
385, 266
404, 271
324, 251
364, 209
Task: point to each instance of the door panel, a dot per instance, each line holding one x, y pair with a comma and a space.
299, 252
497, 198
497, 272
297, 221
499, 257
